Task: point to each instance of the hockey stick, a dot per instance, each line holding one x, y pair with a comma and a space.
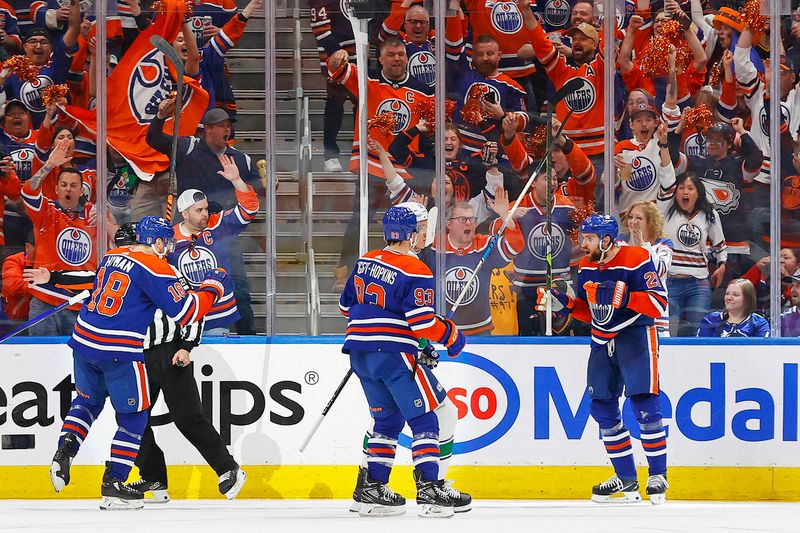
81, 296
165, 48
325, 411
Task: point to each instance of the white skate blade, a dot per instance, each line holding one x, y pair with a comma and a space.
241, 477
58, 483
355, 506
463, 508
118, 504
658, 499
427, 510
621, 497
376, 510
159, 497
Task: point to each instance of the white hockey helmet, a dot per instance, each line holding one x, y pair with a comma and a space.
417, 208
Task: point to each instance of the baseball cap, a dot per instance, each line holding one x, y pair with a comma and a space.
188, 198
14, 103
586, 29
643, 107
215, 116
37, 32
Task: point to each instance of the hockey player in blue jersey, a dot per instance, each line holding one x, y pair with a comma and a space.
389, 303
620, 292
107, 351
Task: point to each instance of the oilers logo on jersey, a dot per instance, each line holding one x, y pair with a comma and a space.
23, 162
694, 145
422, 66
763, 117
194, 262
400, 110
722, 195
31, 93
790, 193
643, 174
537, 240
601, 313
556, 13
689, 234
582, 99
506, 17
74, 246
454, 281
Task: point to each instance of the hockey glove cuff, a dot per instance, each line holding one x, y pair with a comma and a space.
453, 339
215, 283
613, 293
429, 356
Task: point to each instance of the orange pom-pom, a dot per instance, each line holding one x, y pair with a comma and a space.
384, 122
536, 141
159, 6
578, 215
449, 108
716, 74
54, 93
22, 67
699, 117
655, 58
751, 13
427, 111
472, 111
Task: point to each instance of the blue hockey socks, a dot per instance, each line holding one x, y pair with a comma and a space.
79, 419
616, 437
425, 445
125, 445
381, 446
647, 408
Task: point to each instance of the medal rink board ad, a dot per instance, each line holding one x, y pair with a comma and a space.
731, 412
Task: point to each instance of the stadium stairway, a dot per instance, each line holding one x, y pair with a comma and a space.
332, 193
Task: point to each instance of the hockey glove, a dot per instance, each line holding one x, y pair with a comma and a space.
429, 356
453, 339
613, 293
561, 302
214, 283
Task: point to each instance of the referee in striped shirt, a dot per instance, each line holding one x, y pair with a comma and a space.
169, 369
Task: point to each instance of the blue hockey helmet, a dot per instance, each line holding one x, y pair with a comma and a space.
398, 224
602, 225
148, 229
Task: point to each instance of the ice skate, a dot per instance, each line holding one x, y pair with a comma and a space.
355, 506
657, 489
62, 460
462, 502
231, 482
377, 499
614, 490
117, 496
433, 500
157, 488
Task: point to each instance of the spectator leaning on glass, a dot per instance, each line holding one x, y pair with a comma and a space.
690, 221
790, 319
739, 318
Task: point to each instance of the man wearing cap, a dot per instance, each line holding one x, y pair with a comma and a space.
202, 241
17, 139
197, 162
52, 56
644, 167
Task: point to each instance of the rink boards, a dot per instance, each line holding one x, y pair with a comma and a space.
524, 430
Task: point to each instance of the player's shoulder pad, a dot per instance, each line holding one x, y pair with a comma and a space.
154, 264
408, 264
632, 257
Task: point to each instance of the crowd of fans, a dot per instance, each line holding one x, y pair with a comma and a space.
48, 178
692, 154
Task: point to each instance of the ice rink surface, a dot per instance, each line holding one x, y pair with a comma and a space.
323, 516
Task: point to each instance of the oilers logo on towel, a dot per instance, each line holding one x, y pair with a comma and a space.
400, 110
506, 18
74, 247
454, 282
422, 66
194, 262
556, 13
537, 240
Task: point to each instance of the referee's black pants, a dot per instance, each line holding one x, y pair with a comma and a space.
183, 402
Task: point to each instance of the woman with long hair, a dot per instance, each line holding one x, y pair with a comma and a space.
739, 318
646, 229
689, 222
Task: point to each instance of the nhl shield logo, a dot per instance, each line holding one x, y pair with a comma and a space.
73, 246
454, 281
556, 13
422, 66
537, 240
506, 18
582, 99
194, 262
401, 112
643, 174
689, 234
